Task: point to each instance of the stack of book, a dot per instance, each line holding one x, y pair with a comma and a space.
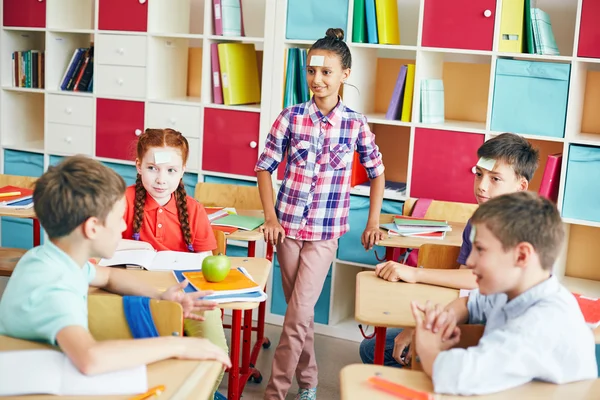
79, 75
16, 198
417, 227
228, 18
28, 69
375, 21
228, 221
400, 106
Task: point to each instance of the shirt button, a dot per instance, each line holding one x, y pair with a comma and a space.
160, 225
160, 210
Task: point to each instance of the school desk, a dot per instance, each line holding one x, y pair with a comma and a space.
353, 380
8, 259
384, 304
394, 244
259, 269
183, 379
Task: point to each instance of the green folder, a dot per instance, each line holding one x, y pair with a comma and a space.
240, 221
359, 22
528, 28
419, 222
303, 93
290, 96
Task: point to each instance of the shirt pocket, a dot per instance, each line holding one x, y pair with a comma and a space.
299, 152
340, 155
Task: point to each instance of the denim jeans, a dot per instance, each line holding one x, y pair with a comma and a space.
367, 349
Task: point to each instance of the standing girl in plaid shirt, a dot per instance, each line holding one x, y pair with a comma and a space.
311, 211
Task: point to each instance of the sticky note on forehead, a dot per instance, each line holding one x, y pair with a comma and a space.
472, 235
317, 61
162, 157
486, 163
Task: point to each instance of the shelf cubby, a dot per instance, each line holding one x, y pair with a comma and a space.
22, 124
18, 40
60, 48
70, 15
177, 17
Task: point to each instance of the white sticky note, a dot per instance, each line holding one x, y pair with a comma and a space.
464, 292
317, 61
486, 163
472, 235
162, 157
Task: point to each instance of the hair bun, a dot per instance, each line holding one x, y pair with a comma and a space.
336, 33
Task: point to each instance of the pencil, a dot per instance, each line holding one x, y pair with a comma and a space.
8, 194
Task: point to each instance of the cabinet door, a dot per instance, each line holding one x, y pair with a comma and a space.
123, 15
443, 164
459, 24
589, 32
118, 124
26, 13
230, 141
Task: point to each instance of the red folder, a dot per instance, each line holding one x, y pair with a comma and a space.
551, 178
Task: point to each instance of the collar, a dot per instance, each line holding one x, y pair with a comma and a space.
519, 304
53, 252
333, 118
152, 205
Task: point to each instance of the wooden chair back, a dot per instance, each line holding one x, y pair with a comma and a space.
221, 242
225, 195
106, 318
469, 337
26, 182
9, 257
445, 210
437, 255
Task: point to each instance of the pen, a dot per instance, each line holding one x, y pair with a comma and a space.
8, 194
155, 391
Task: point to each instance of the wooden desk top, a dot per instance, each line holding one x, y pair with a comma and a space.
383, 303
258, 268
354, 386
7, 212
454, 237
247, 236
183, 379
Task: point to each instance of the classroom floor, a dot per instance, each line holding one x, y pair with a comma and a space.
332, 355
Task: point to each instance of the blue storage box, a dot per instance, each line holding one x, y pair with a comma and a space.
23, 163
530, 97
310, 19
350, 247
279, 306
582, 186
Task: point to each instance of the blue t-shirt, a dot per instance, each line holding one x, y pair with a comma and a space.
465, 248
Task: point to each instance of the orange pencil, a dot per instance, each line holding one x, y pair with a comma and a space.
398, 390
155, 391
8, 194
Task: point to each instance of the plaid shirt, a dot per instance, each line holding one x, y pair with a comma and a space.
314, 198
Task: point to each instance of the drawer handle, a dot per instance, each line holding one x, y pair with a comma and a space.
120, 82
68, 110
253, 144
138, 132
487, 13
172, 121
121, 51
68, 139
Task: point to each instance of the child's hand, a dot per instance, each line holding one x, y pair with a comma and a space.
371, 235
395, 272
402, 349
191, 302
441, 321
202, 349
273, 232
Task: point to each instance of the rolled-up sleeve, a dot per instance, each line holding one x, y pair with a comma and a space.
276, 144
370, 157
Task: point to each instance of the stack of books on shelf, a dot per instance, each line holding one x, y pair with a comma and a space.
296, 85
235, 76
520, 21
16, 198
237, 286
228, 18
417, 227
28, 69
376, 22
79, 75
400, 107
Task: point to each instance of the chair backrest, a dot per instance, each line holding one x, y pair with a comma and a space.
225, 195
469, 337
446, 210
106, 318
26, 182
9, 258
221, 242
437, 255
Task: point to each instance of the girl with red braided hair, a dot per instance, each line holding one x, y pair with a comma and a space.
160, 214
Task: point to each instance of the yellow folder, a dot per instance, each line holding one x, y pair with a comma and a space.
387, 21
239, 73
511, 26
408, 93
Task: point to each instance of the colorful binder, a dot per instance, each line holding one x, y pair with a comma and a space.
370, 13
432, 101
239, 73
217, 17
395, 106
408, 93
216, 74
387, 22
303, 92
231, 14
528, 29
290, 96
359, 22
551, 178
511, 26
545, 43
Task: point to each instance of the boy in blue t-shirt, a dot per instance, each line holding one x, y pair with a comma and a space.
81, 203
506, 164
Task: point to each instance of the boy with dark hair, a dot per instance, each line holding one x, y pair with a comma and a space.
80, 203
534, 326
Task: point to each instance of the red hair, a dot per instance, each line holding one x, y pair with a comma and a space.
161, 138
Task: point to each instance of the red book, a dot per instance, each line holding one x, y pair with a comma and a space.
25, 194
359, 173
590, 307
551, 179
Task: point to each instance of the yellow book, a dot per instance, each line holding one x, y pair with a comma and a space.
408, 93
239, 73
511, 26
387, 21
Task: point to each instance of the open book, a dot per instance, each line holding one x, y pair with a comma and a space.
153, 260
51, 372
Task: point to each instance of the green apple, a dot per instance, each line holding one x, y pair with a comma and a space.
216, 268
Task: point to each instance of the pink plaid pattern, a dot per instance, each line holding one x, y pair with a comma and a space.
314, 199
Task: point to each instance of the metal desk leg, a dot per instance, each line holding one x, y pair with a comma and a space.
379, 345
233, 389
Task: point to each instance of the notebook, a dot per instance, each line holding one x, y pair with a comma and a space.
22, 200
590, 308
243, 222
153, 260
51, 372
